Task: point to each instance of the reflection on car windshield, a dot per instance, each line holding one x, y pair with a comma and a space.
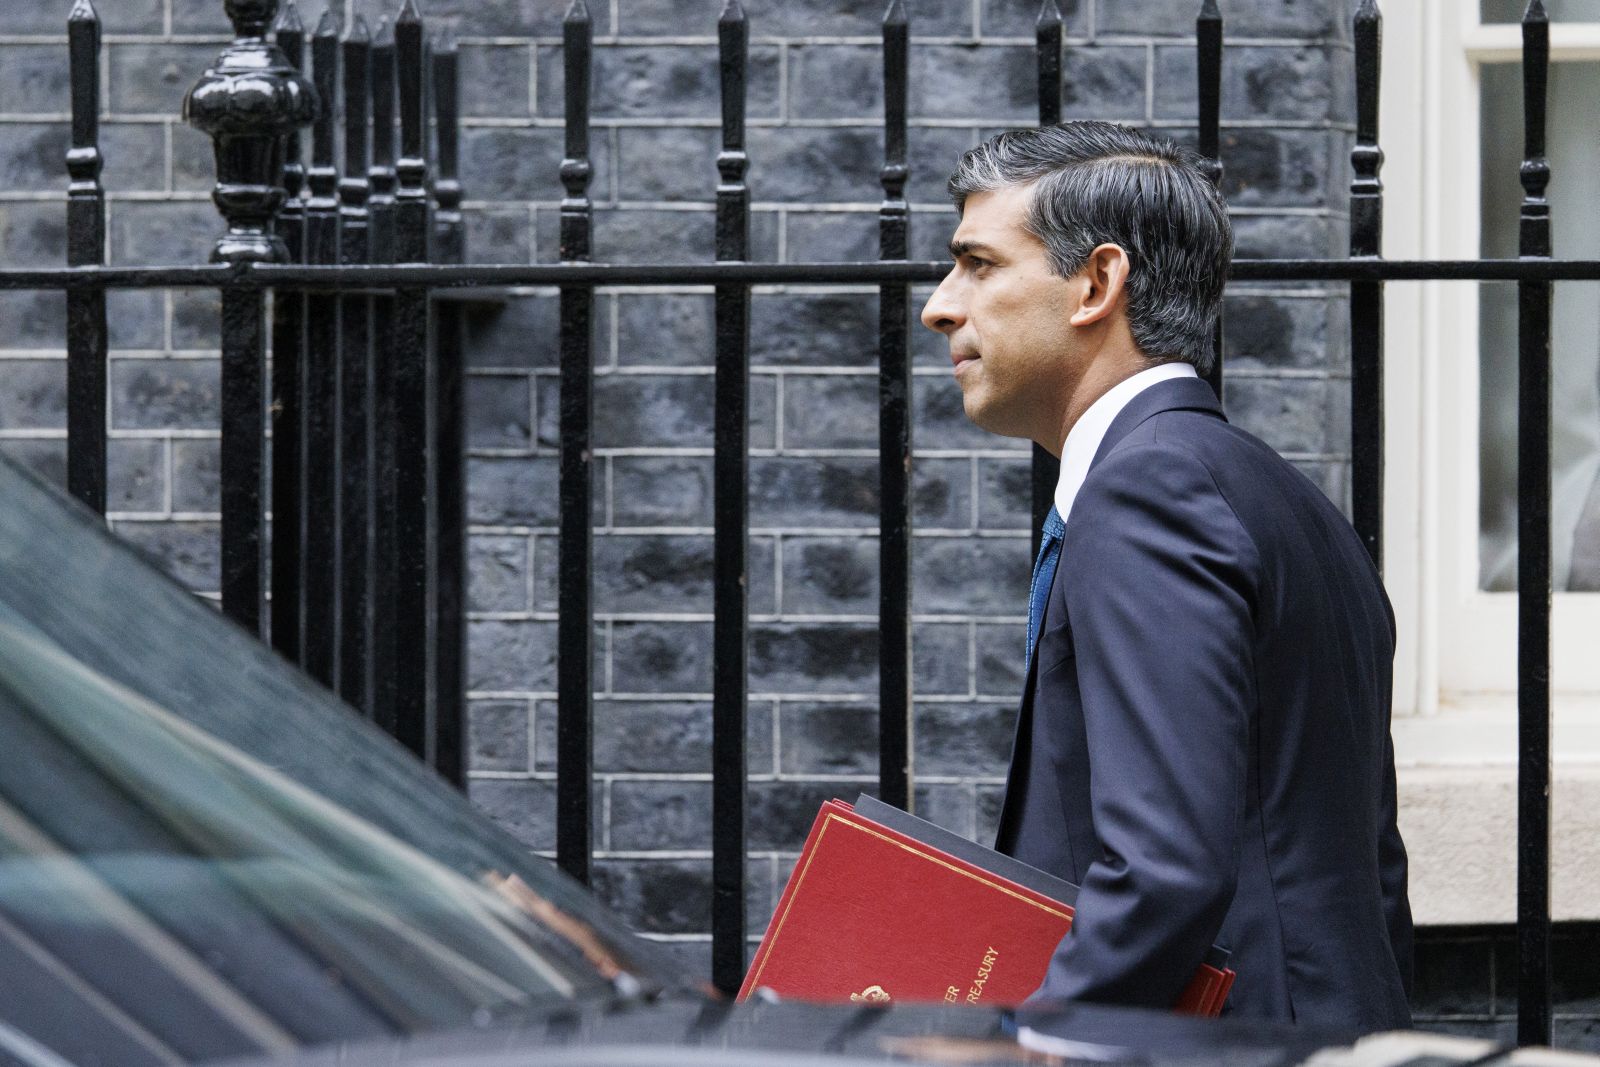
204, 854
146, 864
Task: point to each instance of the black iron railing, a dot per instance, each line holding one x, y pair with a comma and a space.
366, 388
1533, 549
731, 511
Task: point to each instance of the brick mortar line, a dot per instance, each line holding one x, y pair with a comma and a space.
834, 532
123, 196
696, 40
605, 778
124, 433
145, 518
708, 452
764, 618
837, 289
709, 40
857, 207
535, 121
522, 529
771, 370
692, 696
780, 208
786, 777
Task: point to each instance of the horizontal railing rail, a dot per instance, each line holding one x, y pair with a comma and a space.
880, 272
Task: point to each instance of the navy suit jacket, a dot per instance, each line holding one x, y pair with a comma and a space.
1204, 738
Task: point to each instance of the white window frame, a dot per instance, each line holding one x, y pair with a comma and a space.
1456, 667
1455, 725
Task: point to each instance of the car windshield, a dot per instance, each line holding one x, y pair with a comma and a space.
202, 854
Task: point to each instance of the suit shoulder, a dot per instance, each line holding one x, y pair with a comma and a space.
1174, 469
1160, 455
1152, 478
1239, 465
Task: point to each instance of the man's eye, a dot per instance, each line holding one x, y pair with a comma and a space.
977, 262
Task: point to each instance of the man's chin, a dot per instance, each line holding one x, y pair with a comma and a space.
973, 406
984, 416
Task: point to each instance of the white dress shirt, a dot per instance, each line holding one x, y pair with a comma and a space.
1083, 440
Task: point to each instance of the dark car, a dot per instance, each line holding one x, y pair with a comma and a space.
204, 857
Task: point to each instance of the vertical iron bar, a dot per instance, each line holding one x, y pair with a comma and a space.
383, 699
86, 242
575, 723
1046, 468
1366, 298
1533, 553
730, 486
320, 386
1047, 36
1208, 63
450, 432
288, 353
355, 383
243, 455
895, 720
413, 541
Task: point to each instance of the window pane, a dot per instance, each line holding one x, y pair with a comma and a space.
1558, 10
1573, 192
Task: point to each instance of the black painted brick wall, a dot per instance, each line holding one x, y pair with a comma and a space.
1467, 983
815, 145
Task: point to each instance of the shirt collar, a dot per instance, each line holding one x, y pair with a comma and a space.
1083, 440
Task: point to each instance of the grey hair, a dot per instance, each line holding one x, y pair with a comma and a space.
1100, 183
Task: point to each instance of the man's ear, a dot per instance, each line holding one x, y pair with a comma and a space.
1101, 281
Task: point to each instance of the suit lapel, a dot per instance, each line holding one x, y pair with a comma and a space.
1178, 394
1021, 750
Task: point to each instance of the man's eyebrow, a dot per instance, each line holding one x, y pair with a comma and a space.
966, 248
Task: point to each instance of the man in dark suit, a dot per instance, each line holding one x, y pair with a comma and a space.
1204, 739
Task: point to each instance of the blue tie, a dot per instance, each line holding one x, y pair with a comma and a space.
1044, 572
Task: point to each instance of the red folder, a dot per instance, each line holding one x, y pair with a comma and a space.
874, 913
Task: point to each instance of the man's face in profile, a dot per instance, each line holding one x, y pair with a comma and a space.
1004, 312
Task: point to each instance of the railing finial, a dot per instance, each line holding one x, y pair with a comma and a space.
1535, 12
84, 160
1047, 57
247, 103
1209, 11
289, 18
894, 213
250, 18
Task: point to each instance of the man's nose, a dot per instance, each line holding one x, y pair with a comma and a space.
942, 313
